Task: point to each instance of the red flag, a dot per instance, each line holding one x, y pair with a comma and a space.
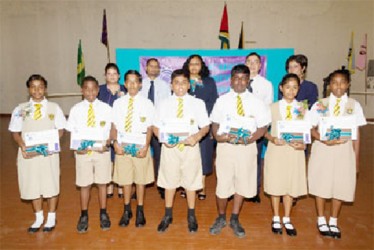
224, 30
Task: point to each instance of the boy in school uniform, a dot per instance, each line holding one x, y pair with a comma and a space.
180, 164
133, 116
236, 174
38, 175
93, 166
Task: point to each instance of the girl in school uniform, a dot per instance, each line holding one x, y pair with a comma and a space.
284, 169
333, 164
38, 175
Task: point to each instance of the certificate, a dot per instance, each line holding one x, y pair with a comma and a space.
343, 127
294, 131
47, 138
234, 123
125, 139
97, 136
177, 128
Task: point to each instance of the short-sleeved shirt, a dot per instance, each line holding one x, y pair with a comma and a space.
262, 88
28, 109
295, 107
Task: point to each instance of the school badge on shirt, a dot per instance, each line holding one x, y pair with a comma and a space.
349, 111
192, 122
143, 119
51, 117
102, 123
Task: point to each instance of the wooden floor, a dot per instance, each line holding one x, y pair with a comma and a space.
356, 220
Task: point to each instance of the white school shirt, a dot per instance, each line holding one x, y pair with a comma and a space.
294, 105
193, 109
162, 89
262, 88
79, 113
142, 117
357, 112
16, 120
252, 106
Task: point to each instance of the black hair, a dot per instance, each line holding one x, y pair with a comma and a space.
343, 72
112, 66
288, 77
153, 59
133, 72
179, 72
300, 59
204, 72
89, 79
253, 54
240, 68
36, 77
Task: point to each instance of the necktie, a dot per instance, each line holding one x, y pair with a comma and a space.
239, 106
288, 113
37, 111
151, 92
337, 107
91, 116
250, 89
180, 115
130, 111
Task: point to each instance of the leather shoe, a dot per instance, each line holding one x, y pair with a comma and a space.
192, 224
290, 232
324, 233
125, 219
108, 196
33, 229
276, 230
48, 229
140, 219
82, 224
120, 196
335, 235
255, 199
164, 224
104, 222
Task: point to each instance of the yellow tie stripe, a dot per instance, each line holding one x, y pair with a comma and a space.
130, 111
91, 117
239, 106
37, 111
337, 107
180, 146
288, 113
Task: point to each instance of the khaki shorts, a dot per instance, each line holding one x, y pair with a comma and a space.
180, 168
236, 168
128, 170
93, 168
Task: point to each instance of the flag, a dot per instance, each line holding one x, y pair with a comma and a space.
361, 58
104, 33
80, 67
351, 56
224, 30
241, 38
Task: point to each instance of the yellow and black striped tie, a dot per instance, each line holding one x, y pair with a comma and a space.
37, 111
91, 117
239, 106
180, 146
130, 111
337, 107
288, 113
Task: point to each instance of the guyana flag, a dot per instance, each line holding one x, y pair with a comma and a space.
80, 67
224, 30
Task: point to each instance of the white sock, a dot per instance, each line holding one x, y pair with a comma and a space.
333, 221
286, 223
277, 225
39, 218
322, 221
51, 220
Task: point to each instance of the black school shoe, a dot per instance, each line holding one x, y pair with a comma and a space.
125, 219
164, 224
82, 224
276, 230
32, 230
48, 229
192, 224
290, 232
104, 222
335, 235
324, 233
140, 219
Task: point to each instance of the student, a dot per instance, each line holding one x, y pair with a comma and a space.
156, 90
262, 89
133, 115
236, 162
108, 93
92, 166
38, 175
298, 64
180, 164
284, 169
203, 87
333, 164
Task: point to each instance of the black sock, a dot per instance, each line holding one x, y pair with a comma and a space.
191, 212
234, 217
139, 208
169, 211
223, 216
102, 211
84, 213
127, 207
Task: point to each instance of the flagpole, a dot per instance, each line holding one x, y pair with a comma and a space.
108, 53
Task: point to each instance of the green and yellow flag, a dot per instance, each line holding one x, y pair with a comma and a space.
224, 30
81, 73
